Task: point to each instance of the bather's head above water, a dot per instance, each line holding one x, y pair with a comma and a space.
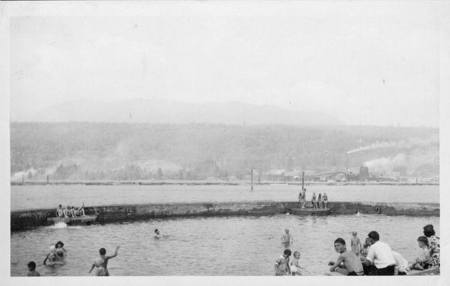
287, 253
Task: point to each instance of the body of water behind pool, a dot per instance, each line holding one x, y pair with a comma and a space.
210, 246
49, 196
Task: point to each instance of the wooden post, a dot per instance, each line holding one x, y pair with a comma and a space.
303, 180
48, 179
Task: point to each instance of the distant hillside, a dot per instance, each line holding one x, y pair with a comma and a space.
171, 112
133, 151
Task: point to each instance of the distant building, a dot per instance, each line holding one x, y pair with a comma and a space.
363, 173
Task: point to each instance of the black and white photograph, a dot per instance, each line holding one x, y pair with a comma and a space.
217, 138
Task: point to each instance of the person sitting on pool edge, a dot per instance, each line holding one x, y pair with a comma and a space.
380, 255
282, 264
32, 269
368, 269
80, 211
347, 263
434, 244
424, 260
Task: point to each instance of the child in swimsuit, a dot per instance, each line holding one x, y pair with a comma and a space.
295, 264
424, 260
102, 262
356, 243
282, 264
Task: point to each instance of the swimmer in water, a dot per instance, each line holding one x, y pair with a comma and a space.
102, 262
157, 234
56, 255
32, 269
60, 250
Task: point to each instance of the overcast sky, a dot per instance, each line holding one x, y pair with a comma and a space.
372, 64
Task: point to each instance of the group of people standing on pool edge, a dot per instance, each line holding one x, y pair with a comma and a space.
377, 258
317, 202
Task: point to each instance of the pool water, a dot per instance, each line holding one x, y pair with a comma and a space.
210, 246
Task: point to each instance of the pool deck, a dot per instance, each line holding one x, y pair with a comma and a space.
28, 219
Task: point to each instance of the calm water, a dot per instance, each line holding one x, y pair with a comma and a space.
210, 246
32, 197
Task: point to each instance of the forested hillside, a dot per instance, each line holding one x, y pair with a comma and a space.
197, 151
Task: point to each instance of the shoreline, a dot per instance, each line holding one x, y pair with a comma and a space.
216, 183
29, 219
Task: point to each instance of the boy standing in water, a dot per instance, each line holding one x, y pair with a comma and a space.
351, 264
102, 262
286, 239
356, 243
32, 269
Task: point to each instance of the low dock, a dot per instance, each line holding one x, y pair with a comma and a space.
28, 219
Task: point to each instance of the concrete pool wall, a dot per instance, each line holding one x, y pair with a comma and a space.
26, 219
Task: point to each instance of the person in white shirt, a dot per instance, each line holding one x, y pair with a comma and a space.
380, 255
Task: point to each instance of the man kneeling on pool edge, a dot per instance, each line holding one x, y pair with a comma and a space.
347, 263
379, 254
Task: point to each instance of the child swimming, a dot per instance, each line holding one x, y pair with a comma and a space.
157, 234
32, 269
